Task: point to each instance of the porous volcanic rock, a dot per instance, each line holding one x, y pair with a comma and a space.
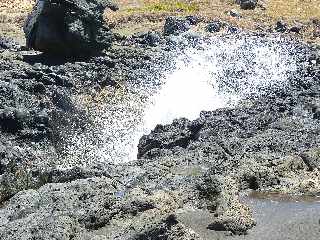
266, 142
176, 25
215, 26
38, 112
247, 4
231, 214
68, 27
92, 208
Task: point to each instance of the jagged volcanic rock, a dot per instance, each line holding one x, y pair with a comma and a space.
188, 166
68, 27
263, 142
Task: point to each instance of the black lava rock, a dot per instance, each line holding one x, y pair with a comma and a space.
281, 26
296, 29
12, 119
214, 26
176, 26
233, 29
193, 20
8, 43
150, 38
68, 27
248, 4
62, 101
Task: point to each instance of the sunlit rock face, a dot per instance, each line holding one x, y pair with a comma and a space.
68, 27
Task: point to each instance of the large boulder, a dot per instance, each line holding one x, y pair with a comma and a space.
68, 27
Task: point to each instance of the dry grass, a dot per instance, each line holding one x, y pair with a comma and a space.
290, 10
13, 10
301, 10
12, 16
142, 15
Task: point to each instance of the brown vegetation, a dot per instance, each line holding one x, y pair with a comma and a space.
141, 15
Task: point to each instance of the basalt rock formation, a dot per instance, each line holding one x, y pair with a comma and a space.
68, 27
176, 25
184, 170
38, 110
39, 200
268, 142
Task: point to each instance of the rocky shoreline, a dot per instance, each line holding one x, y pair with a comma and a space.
267, 142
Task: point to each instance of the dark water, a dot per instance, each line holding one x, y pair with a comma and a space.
278, 216
278, 197
284, 217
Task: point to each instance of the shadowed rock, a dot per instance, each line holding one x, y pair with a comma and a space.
68, 27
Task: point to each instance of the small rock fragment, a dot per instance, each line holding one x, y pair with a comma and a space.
214, 26
193, 20
149, 38
248, 4
281, 26
234, 13
233, 29
296, 29
176, 25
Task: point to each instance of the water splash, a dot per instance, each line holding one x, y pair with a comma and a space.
215, 74
218, 75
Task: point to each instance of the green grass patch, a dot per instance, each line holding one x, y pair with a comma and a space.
175, 6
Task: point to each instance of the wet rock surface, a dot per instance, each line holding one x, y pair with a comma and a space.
267, 142
38, 111
68, 27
